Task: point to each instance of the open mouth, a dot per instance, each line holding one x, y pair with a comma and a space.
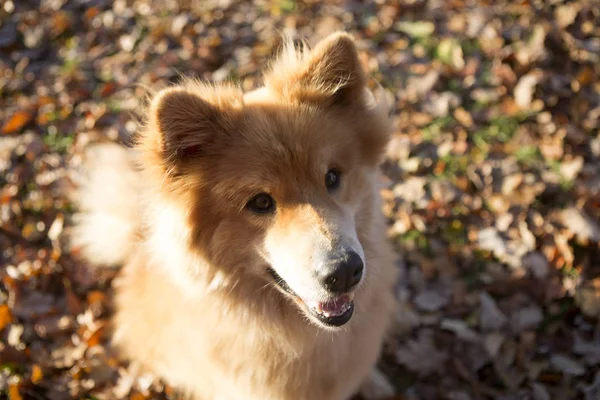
333, 312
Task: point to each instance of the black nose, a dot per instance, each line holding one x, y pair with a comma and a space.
344, 273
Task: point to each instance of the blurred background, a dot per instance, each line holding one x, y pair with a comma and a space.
493, 179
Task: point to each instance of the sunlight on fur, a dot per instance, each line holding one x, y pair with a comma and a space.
254, 257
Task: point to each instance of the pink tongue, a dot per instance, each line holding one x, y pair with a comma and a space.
336, 304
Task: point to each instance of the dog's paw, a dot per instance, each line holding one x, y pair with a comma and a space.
377, 387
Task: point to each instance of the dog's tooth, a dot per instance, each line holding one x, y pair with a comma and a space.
314, 305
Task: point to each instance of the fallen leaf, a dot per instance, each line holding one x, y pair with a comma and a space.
450, 52
56, 227
417, 29
585, 76
540, 392
421, 355
96, 296
96, 337
567, 365
5, 316
493, 343
14, 335
524, 90
526, 318
60, 22
430, 300
590, 351
592, 392
36, 373
411, 190
14, 391
440, 104
422, 84
587, 297
537, 264
17, 121
581, 224
534, 49
490, 316
460, 329
565, 14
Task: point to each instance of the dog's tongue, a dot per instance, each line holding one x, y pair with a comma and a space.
335, 305
332, 307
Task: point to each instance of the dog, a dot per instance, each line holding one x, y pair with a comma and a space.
249, 228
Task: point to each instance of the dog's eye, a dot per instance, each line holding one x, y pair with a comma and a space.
332, 179
262, 203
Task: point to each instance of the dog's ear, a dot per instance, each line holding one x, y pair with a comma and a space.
331, 74
182, 123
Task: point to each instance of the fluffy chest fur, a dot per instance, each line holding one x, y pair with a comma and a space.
245, 351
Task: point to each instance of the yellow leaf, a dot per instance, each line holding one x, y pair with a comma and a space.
13, 392
36, 374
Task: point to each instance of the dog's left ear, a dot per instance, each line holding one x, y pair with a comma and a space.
329, 75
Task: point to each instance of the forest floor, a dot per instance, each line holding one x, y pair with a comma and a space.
493, 179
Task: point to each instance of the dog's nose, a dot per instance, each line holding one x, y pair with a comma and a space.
344, 273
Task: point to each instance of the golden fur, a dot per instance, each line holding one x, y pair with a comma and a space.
195, 303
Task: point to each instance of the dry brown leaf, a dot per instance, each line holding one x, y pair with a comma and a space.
490, 316
587, 298
60, 22
585, 76
567, 365
421, 355
96, 337
91, 13
96, 296
73, 303
464, 117
431, 300
581, 224
526, 318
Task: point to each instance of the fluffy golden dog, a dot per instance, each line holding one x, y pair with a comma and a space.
255, 258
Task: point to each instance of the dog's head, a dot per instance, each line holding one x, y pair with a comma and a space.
275, 182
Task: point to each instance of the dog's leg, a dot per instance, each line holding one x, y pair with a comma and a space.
376, 386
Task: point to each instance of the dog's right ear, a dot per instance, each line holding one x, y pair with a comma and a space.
184, 122
181, 123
